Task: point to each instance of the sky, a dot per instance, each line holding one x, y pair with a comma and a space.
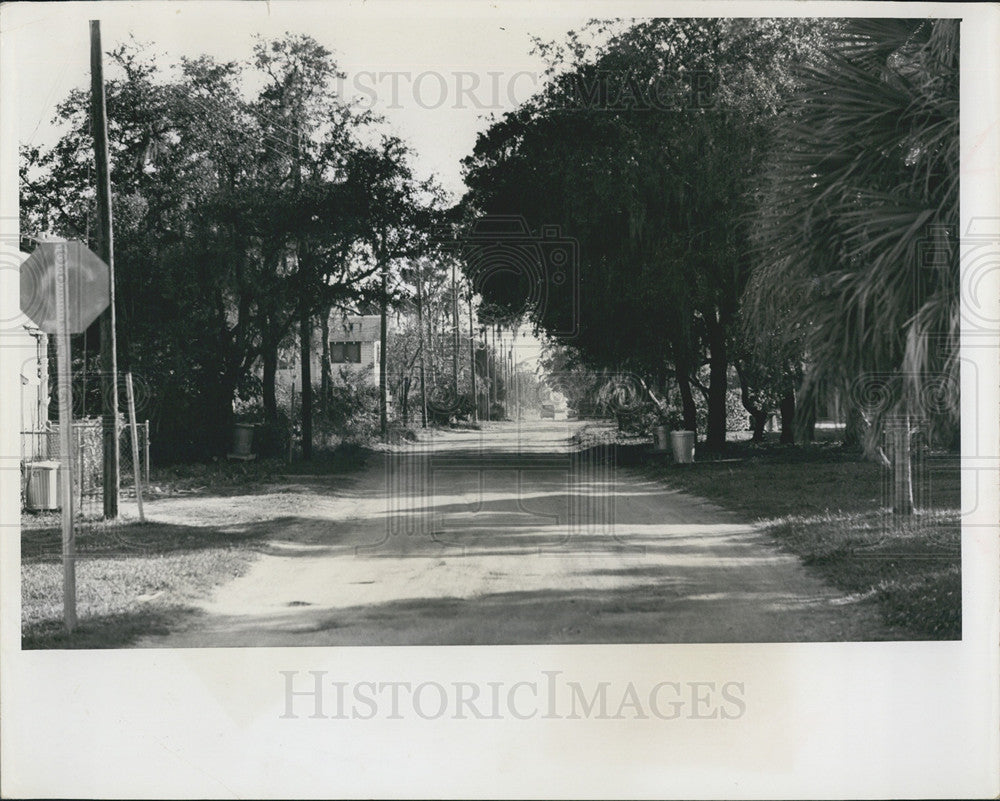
435, 78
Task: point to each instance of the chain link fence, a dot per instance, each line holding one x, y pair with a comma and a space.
42, 447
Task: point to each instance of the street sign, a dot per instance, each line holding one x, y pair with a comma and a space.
88, 281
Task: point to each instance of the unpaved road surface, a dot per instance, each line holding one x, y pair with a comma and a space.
505, 536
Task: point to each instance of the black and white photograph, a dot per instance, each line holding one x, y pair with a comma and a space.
545, 380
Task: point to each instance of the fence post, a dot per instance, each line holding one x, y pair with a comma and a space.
134, 436
145, 451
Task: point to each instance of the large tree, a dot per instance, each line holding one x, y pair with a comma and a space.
398, 212
215, 194
645, 150
857, 230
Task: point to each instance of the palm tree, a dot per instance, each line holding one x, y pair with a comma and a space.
857, 251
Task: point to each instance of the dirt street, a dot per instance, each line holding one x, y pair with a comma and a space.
504, 536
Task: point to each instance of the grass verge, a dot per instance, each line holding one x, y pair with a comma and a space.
223, 476
828, 506
132, 580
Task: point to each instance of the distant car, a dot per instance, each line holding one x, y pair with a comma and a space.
548, 411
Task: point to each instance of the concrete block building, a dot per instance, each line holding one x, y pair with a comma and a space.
355, 344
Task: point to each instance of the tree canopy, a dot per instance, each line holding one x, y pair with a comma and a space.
646, 151
235, 216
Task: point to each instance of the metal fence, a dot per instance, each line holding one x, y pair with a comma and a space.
43, 445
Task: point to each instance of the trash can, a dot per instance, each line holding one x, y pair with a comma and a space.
243, 441
661, 438
43, 485
683, 446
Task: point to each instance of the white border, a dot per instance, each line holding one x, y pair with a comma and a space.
823, 721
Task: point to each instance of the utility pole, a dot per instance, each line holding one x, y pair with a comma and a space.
454, 321
486, 370
491, 351
383, 390
106, 250
430, 344
305, 321
511, 380
472, 362
420, 345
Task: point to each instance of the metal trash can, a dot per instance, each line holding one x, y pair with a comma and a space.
682, 443
243, 442
661, 438
43, 485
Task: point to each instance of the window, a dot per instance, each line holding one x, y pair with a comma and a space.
344, 352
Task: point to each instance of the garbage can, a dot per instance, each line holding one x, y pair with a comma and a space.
661, 438
242, 441
43, 485
683, 446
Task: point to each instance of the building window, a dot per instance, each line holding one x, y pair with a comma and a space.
345, 352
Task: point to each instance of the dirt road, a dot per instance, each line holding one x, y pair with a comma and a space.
505, 536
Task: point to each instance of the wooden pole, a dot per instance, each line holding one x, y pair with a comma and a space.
420, 346
383, 389
134, 427
493, 365
106, 250
454, 321
472, 362
65, 439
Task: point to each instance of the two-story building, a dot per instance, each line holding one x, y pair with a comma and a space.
355, 343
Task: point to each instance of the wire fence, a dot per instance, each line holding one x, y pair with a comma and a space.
40, 453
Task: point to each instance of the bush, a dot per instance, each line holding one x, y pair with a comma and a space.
273, 439
350, 413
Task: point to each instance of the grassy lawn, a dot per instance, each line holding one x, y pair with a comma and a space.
223, 475
827, 506
136, 579
132, 579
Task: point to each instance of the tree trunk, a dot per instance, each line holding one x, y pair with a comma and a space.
808, 423
688, 407
787, 408
325, 371
383, 397
853, 429
718, 366
269, 359
305, 336
902, 472
757, 414
213, 431
405, 401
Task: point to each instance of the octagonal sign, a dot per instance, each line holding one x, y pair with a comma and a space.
88, 279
